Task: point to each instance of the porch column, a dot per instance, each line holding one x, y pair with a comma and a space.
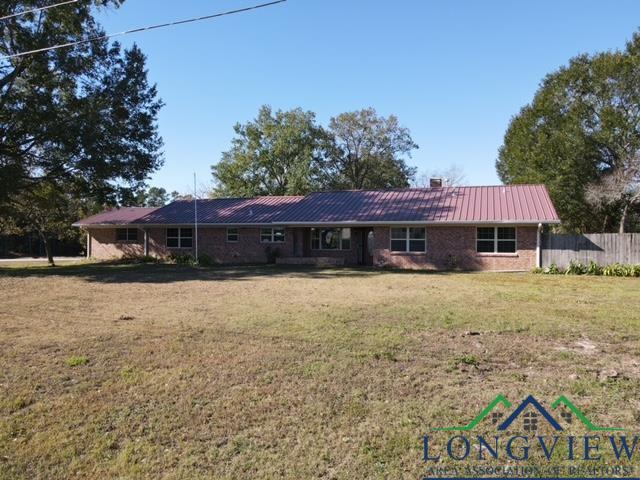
88, 244
146, 241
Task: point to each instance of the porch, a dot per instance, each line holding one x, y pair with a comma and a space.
316, 261
331, 246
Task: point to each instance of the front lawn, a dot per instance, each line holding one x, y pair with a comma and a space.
156, 370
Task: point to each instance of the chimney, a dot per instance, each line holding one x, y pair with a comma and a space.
435, 182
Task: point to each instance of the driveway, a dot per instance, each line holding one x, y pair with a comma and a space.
38, 260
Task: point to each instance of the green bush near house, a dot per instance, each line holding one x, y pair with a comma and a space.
181, 259
575, 268
136, 259
621, 270
552, 270
205, 260
594, 269
578, 268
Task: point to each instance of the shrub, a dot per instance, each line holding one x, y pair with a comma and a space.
552, 269
594, 269
148, 259
136, 259
181, 259
614, 270
127, 260
205, 260
575, 268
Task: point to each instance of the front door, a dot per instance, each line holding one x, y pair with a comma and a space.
366, 246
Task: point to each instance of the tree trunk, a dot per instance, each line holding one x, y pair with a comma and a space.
48, 248
623, 219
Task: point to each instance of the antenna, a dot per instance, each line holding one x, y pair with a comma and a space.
195, 209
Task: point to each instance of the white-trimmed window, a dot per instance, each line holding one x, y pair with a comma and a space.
331, 239
496, 240
179, 237
126, 234
409, 239
272, 235
232, 235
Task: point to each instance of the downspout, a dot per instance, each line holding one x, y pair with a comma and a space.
539, 246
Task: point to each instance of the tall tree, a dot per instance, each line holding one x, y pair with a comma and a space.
274, 154
152, 197
47, 211
77, 121
156, 197
581, 137
365, 150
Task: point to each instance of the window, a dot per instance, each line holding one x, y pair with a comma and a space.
331, 239
272, 235
409, 239
496, 240
232, 235
127, 234
179, 237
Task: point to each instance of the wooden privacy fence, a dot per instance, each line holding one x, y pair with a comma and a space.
602, 248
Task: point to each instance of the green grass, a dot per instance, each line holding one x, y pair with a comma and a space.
76, 361
266, 372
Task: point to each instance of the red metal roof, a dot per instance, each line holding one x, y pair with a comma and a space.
118, 216
259, 210
499, 204
495, 204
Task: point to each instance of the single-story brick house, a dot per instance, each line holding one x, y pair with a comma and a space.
470, 228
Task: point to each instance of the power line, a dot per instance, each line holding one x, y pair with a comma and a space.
39, 9
142, 29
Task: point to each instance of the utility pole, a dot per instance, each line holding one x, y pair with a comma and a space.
195, 220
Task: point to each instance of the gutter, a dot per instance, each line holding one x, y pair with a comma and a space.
413, 222
323, 224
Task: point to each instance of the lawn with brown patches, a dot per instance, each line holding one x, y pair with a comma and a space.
157, 370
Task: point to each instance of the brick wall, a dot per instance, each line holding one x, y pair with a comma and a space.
211, 241
447, 248
104, 245
455, 248
248, 248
